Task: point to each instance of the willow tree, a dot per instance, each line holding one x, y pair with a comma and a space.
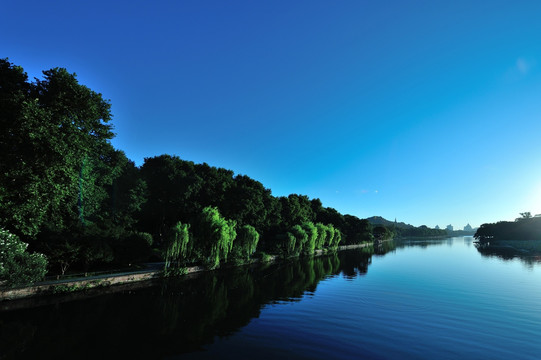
290, 244
329, 229
215, 236
337, 239
321, 235
301, 238
334, 236
178, 249
312, 234
246, 242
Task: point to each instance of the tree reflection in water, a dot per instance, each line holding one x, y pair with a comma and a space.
527, 252
177, 316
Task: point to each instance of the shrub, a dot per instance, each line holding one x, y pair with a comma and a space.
17, 266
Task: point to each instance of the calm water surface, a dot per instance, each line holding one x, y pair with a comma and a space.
439, 299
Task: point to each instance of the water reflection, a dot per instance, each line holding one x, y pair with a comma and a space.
529, 255
384, 247
175, 317
426, 242
355, 263
423, 243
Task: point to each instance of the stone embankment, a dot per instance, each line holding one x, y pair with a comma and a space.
65, 286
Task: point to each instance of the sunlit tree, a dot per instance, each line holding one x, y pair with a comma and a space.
215, 236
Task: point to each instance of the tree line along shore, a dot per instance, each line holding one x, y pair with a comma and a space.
70, 201
524, 228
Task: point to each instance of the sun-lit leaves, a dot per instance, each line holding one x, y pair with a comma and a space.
215, 236
179, 247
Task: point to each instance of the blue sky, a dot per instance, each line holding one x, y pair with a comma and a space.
424, 111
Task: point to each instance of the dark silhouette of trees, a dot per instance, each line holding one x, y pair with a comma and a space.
295, 209
356, 231
382, 233
172, 184
524, 228
249, 203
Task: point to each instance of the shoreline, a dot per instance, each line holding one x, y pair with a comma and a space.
52, 290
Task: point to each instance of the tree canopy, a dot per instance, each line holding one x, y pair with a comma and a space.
56, 158
524, 228
66, 191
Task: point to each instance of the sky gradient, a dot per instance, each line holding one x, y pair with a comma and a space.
424, 111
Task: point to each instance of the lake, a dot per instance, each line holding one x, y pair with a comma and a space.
430, 299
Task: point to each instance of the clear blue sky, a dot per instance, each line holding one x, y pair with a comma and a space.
424, 111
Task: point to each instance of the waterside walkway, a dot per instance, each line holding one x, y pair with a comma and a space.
153, 272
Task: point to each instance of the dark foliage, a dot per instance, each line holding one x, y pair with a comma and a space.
66, 191
522, 229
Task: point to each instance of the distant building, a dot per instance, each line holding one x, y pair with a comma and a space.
468, 227
437, 227
449, 227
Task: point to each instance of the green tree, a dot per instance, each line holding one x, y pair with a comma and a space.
249, 203
22, 204
328, 215
290, 244
321, 235
381, 232
246, 242
215, 236
356, 231
296, 209
17, 266
54, 152
336, 238
218, 183
126, 196
329, 238
301, 238
172, 185
525, 229
178, 249
312, 236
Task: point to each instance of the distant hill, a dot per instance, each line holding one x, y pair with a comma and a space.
378, 220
